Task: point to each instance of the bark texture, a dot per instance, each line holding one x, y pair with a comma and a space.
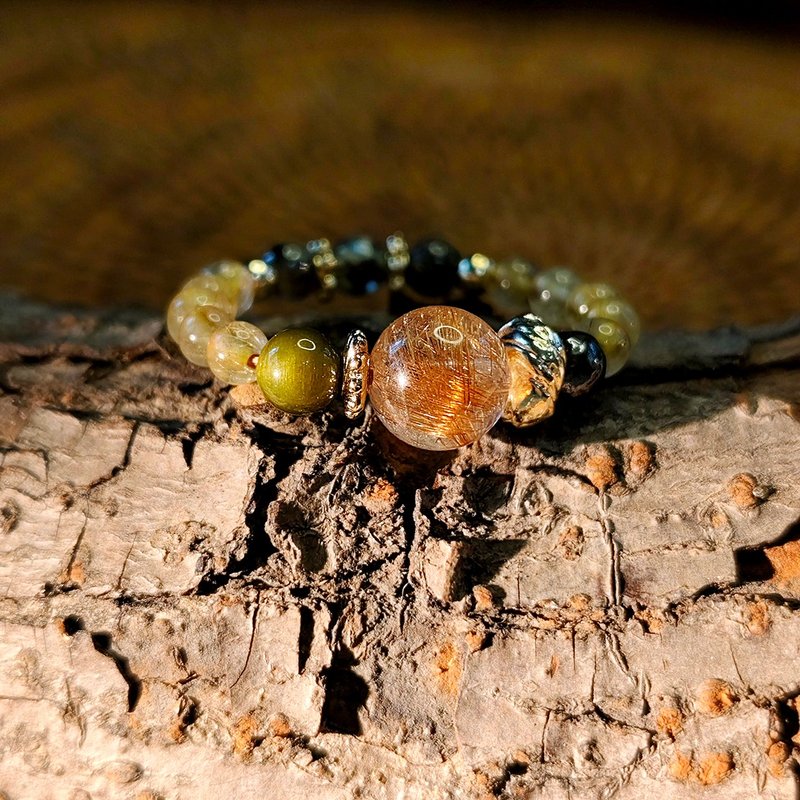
200, 598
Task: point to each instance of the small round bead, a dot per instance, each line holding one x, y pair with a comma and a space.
585, 297
362, 266
230, 351
433, 268
537, 362
236, 281
203, 290
586, 362
620, 311
196, 331
551, 290
511, 284
298, 371
439, 377
474, 270
396, 259
614, 340
355, 374
297, 277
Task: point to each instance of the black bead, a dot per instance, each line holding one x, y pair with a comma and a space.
586, 362
433, 268
362, 266
297, 277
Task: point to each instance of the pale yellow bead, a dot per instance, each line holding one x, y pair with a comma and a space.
204, 290
585, 296
236, 281
620, 311
197, 329
614, 340
231, 349
551, 290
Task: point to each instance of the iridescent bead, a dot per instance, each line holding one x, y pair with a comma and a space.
614, 340
585, 297
536, 362
551, 290
298, 371
236, 281
297, 277
586, 362
439, 377
196, 331
620, 311
361, 266
232, 351
203, 290
474, 270
433, 268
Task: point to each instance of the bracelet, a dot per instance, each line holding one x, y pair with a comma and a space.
439, 376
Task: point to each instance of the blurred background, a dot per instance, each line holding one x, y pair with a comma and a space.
655, 148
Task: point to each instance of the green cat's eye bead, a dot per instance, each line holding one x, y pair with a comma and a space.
614, 341
232, 351
620, 311
298, 371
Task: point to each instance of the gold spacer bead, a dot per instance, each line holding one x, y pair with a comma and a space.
537, 362
325, 263
355, 374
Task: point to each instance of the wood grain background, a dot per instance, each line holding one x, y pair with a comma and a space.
140, 140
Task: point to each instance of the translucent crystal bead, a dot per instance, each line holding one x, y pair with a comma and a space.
439, 377
585, 297
620, 311
551, 290
298, 371
510, 285
231, 351
196, 331
614, 340
203, 290
236, 281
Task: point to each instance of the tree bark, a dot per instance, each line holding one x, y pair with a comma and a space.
202, 598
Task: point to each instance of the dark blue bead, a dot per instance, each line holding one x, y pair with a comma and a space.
297, 277
362, 266
433, 268
586, 362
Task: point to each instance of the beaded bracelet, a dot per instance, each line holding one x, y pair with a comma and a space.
439, 376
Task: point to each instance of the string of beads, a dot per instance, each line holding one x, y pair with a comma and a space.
439, 376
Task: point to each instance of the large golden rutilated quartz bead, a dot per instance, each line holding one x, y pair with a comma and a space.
440, 377
537, 362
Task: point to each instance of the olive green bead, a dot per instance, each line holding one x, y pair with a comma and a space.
298, 371
614, 340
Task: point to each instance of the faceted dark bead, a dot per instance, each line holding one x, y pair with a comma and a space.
296, 276
433, 268
362, 266
586, 362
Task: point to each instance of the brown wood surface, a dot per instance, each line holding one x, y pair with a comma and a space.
142, 140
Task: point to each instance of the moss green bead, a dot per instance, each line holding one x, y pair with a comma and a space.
614, 341
620, 311
551, 290
298, 371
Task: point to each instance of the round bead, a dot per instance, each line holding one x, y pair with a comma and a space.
203, 290
231, 349
439, 377
620, 311
511, 284
586, 362
355, 374
361, 266
433, 268
197, 329
474, 270
551, 290
297, 277
235, 280
585, 297
537, 362
614, 340
298, 371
